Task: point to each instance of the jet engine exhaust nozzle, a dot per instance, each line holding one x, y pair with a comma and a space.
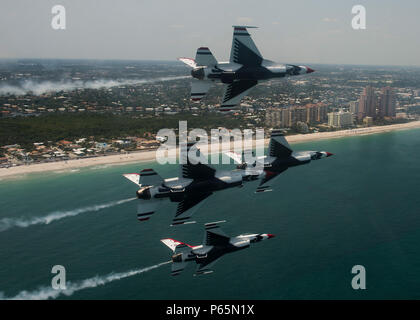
198, 73
144, 193
177, 257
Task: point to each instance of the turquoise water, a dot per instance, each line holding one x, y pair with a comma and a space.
359, 207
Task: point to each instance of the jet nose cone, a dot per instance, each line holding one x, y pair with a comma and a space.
270, 235
309, 70
329, 154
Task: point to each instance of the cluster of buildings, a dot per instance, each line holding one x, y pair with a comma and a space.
64, 150
374, 105
370, 106
288, 117
16, 108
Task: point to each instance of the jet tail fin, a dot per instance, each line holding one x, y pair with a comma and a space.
204, 57
244, 51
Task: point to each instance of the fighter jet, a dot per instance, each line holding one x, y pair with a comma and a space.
245, 68
195, 183
215, 244
280, 157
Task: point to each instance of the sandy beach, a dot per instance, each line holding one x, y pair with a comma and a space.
145, 156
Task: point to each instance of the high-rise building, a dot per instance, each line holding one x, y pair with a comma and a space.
316, 113
285, 118
312, 113
322, 113
386, 103
367, 103
297, 114
272, 117
288, 117
340, 119
354, 107
368, 121
277, 117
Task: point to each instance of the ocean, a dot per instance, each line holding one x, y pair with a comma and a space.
359, 207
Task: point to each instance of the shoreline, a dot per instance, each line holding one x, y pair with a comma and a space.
146, 156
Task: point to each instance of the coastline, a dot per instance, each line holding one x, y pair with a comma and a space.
146, 156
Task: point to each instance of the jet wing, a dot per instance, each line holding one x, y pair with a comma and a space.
206, 264
146, 208
269, 175
244, 51
187, 207
279, 147
197, 171
214, 236
149, 177
178, 267
199, 89
234, 92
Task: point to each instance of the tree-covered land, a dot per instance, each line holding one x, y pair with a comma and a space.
55, 127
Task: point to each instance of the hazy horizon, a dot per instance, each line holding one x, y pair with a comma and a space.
315, 32
181, 64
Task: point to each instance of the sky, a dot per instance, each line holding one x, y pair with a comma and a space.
307, 31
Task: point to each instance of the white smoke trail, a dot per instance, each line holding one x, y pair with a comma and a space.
7, 223
38, 88
44, 293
